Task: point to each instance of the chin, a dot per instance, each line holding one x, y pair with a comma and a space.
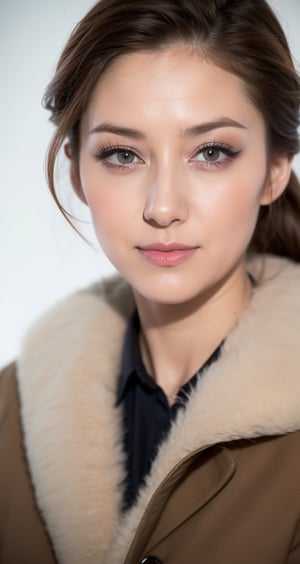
165, 293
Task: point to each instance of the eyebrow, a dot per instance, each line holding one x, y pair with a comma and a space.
190, 132
210, 125
116, 130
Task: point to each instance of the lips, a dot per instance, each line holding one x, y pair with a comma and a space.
172, 254
166, 247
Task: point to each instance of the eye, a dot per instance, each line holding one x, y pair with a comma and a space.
211, 154
214, 154
123, 156
117, 157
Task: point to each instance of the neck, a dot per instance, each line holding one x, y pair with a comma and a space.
177, 339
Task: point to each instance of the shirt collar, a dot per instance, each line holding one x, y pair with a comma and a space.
132, 364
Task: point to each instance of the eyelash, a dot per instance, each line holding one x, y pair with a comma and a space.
109, 150
227, 150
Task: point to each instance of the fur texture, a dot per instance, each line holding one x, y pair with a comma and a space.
67, 377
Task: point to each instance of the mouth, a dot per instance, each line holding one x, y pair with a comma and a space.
172, 254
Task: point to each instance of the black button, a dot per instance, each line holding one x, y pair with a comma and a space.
151, 560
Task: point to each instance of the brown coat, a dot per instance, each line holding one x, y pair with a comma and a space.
224, 488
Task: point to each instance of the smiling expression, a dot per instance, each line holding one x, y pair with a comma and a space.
173, 165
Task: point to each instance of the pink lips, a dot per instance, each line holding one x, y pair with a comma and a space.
172, 254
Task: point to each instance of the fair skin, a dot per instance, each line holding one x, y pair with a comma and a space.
173, 151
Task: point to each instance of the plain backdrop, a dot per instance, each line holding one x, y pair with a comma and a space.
41, 257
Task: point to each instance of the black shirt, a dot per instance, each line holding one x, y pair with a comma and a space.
147, 414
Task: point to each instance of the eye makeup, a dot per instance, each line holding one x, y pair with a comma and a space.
207, 156
118, 156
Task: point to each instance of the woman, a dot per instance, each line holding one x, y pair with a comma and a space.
155, 417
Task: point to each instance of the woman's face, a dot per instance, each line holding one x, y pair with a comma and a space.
173, 166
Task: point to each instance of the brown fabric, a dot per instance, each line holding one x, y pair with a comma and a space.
23, 536
235, 504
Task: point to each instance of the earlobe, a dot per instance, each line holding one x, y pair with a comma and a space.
74, 174
278, 179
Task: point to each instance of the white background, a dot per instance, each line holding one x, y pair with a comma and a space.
41, 258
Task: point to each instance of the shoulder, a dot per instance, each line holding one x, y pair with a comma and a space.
8, 392
285, 449
273, 275
84, 310
270, 465
82, 334
74, 323
19, 516
9, 401
273, 313
11, 441
274, 310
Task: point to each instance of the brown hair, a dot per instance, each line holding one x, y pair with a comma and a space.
242, 36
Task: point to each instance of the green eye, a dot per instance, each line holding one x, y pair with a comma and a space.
214, 155
211, 154
125, 157
118, 157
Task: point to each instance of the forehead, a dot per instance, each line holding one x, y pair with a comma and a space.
173, 85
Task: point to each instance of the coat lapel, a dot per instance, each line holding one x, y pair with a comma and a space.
186, 490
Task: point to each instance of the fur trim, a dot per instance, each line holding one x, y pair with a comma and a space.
67, 377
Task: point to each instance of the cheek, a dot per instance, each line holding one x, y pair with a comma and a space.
103, 201
112, 211
232, 210
242, 206
109, 220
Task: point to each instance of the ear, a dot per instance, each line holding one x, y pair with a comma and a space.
74, 173
277, 179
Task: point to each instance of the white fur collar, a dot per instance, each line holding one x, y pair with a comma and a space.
67, 378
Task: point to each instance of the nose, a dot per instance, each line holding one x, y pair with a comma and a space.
166, 200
